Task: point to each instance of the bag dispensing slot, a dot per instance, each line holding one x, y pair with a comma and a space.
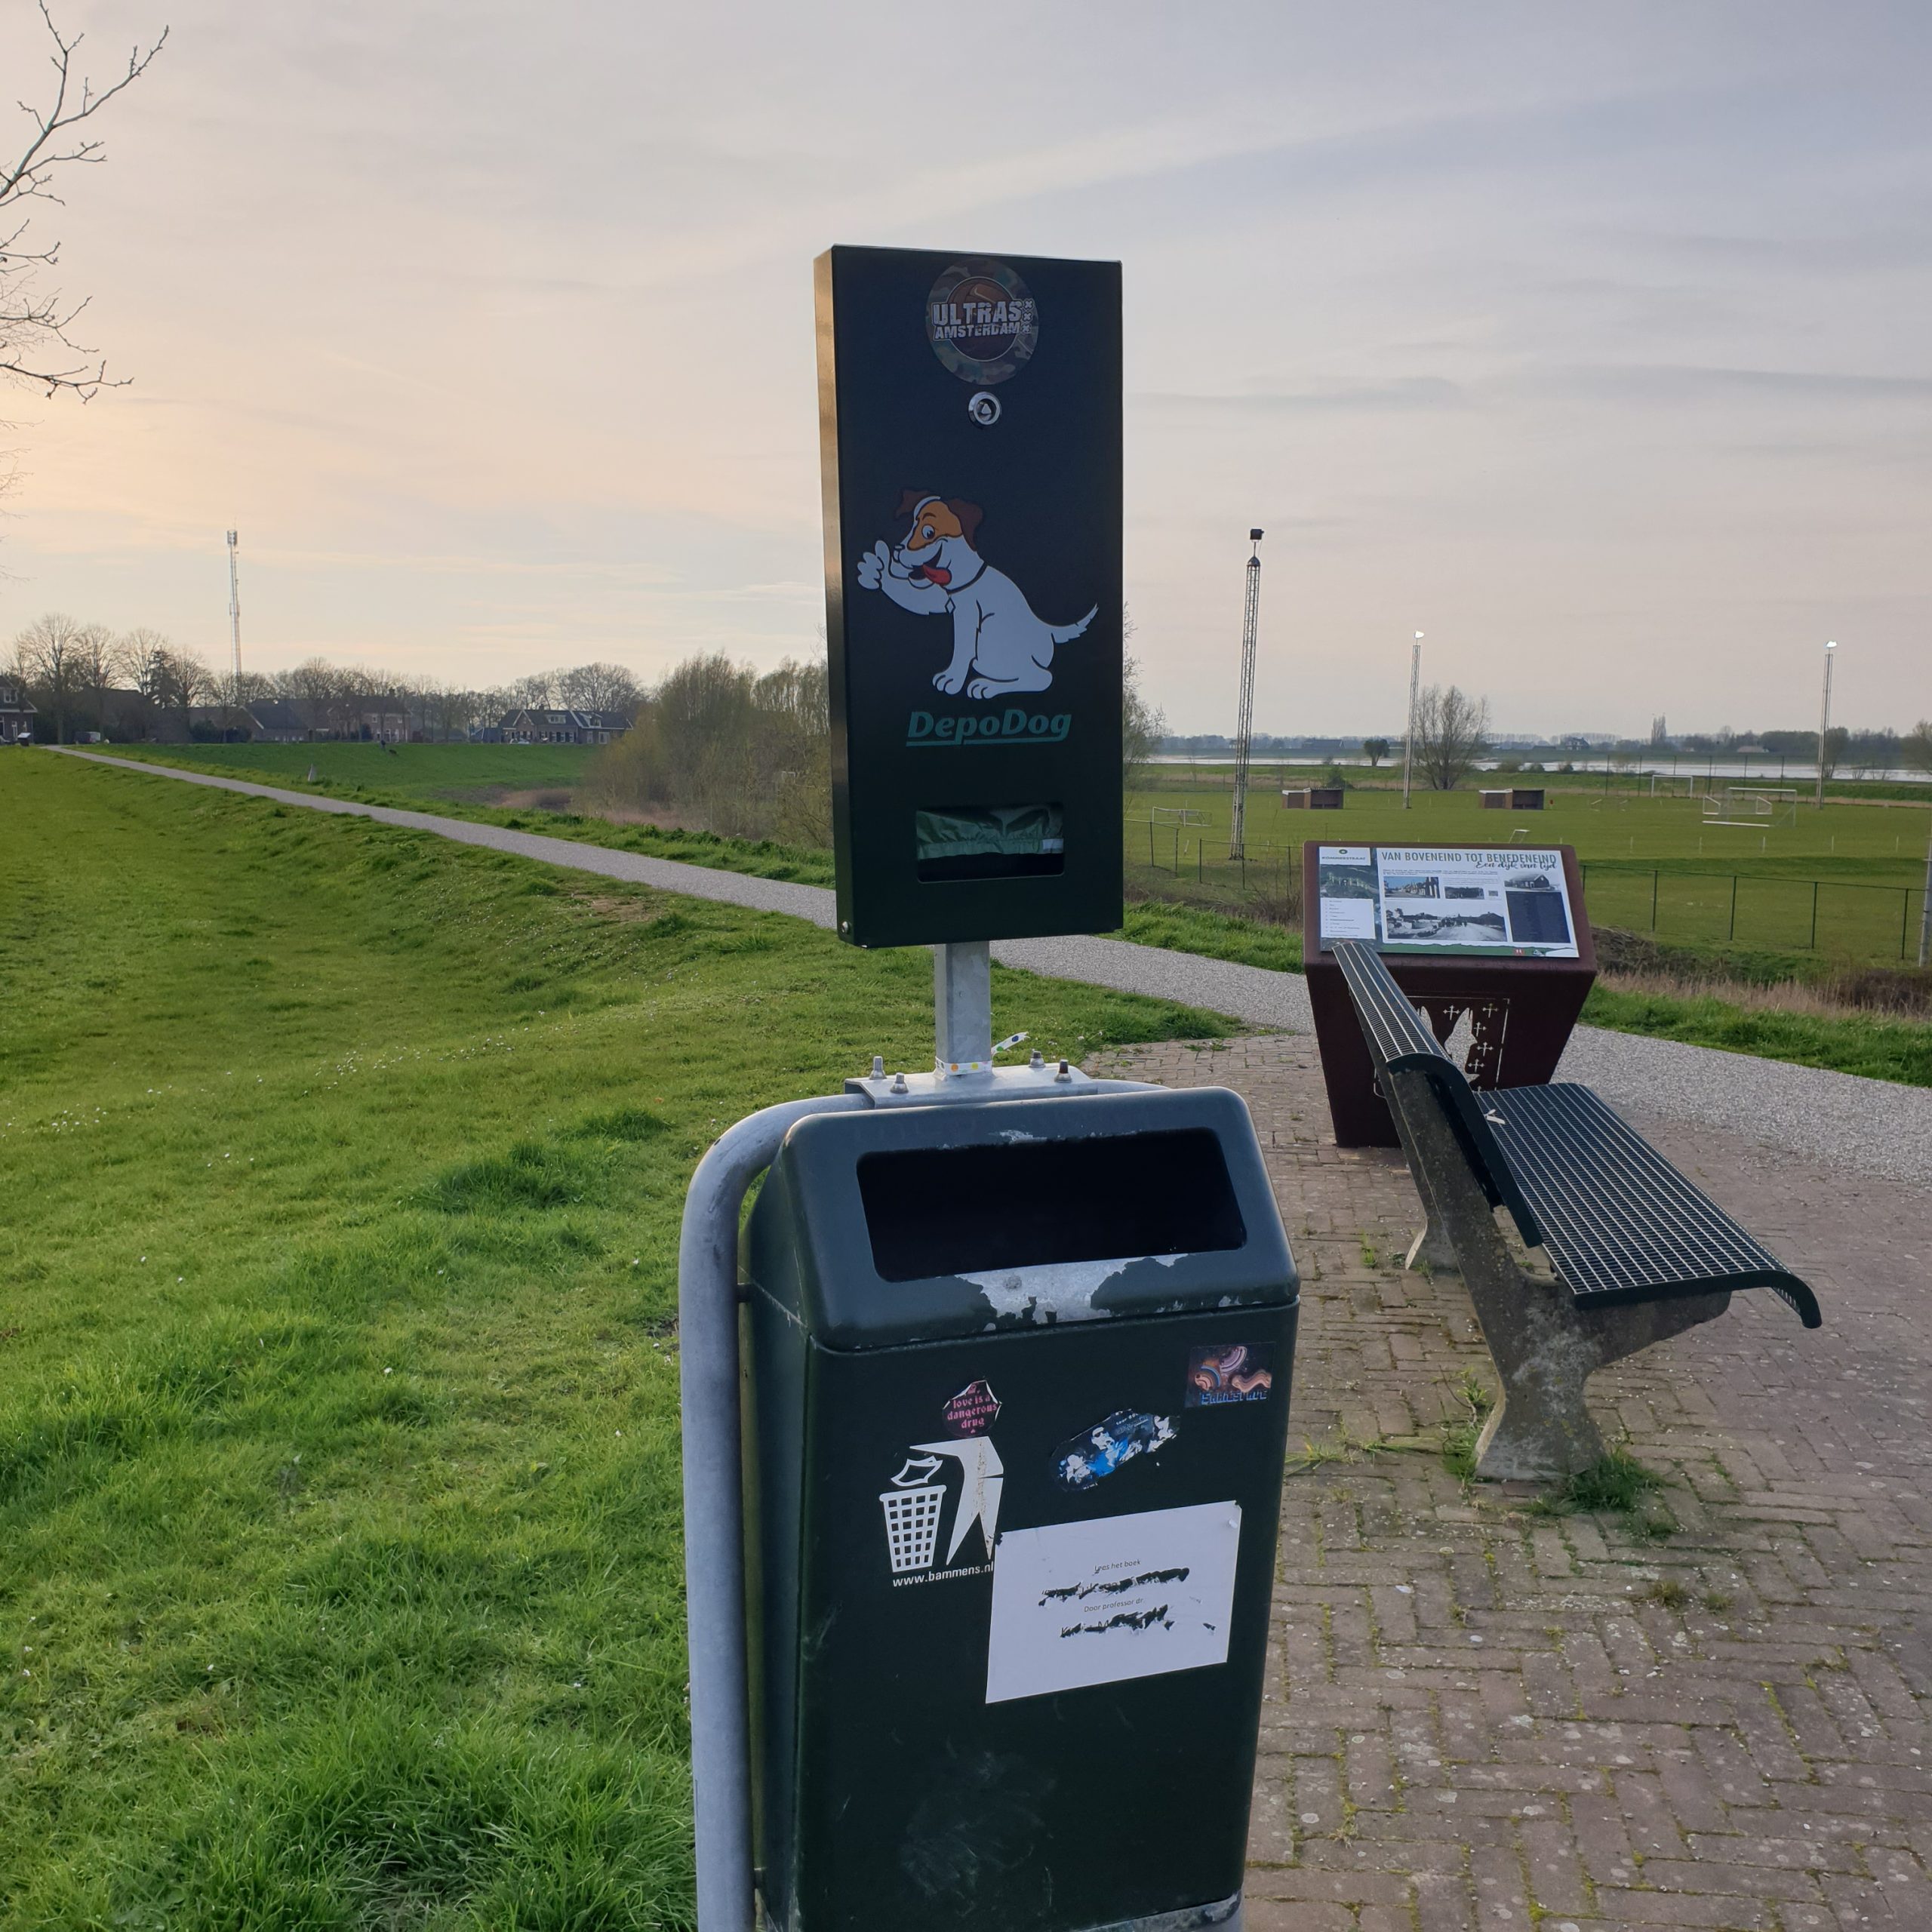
988, 841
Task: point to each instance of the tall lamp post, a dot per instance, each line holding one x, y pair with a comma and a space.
1409, 737
1824, 720
1925, 910
1244, 724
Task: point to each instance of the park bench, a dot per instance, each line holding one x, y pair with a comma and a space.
1619, 1250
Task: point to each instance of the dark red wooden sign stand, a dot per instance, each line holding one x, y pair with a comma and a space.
1520, 1011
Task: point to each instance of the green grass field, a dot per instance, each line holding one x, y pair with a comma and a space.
338, 1456
427, 776
456, 781
1880, 1047
1871, 859
1845, 883
1882, 843
1754, 928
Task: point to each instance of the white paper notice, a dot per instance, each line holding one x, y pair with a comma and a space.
1076, 1603
1348, 918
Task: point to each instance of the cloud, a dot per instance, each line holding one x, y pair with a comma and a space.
492, 330
1400, 393
1676, 383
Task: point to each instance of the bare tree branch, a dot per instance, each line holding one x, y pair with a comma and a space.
48, 652
35, 345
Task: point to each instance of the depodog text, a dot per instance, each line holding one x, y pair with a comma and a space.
1012, 726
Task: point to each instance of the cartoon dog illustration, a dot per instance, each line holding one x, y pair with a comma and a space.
999, 644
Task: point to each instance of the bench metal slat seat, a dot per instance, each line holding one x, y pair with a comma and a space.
1621, 1223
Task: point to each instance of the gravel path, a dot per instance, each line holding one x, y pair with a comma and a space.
1838, 1120
1867, 1127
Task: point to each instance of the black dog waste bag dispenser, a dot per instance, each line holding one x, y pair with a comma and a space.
969, 433
1018, 1397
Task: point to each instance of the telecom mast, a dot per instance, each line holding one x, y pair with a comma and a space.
1250, 623
234, 614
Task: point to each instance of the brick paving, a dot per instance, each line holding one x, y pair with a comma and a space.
1484, 1716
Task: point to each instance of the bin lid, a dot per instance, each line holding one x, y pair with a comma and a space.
924, 1223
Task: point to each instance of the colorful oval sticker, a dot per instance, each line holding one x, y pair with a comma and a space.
1231, 1372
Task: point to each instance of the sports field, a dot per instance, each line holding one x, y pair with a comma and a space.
338, 1456
1867, 861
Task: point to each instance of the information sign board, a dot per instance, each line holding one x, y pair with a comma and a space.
1506, 903
1492, 942
970, 438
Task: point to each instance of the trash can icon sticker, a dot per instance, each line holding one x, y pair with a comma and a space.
914, 1504
912, 1514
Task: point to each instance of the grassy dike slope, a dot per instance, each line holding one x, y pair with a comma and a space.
339, 1174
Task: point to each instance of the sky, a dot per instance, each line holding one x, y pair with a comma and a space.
1592, 343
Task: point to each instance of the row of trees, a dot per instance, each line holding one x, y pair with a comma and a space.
69, 669
1862, 754
1453, 738
727, 750
137, 685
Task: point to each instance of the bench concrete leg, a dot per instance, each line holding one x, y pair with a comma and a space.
1432, 1248
1432, 1244
1542, 1426
1544, 1347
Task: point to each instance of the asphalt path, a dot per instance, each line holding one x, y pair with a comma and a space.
1869, 1127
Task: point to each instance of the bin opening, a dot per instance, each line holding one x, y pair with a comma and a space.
988, 841
964, 1211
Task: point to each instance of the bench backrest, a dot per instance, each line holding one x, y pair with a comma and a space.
1401, 1041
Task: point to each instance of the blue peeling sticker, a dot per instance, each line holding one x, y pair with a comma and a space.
1082, 1462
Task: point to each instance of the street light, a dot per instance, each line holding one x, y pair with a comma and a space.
1824, 720
1925, 910
1409, 738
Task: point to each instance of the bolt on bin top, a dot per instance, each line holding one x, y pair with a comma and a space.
879, 1230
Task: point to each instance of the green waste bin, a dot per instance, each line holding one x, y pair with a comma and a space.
1018, 1380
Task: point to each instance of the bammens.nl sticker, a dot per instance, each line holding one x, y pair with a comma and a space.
1228, 1372
915, 1508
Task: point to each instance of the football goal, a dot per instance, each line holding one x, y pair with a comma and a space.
1758, 807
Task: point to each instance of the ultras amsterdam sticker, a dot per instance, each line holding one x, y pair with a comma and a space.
982, 322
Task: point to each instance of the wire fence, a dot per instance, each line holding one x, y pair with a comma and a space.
1852, 918
1168, 858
